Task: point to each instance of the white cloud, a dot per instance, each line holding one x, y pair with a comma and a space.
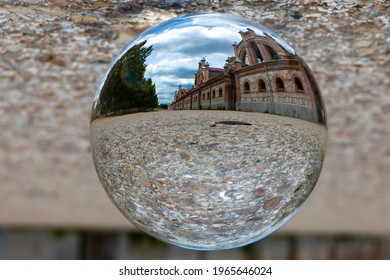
169, 64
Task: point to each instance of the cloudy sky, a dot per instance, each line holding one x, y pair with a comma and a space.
179, 44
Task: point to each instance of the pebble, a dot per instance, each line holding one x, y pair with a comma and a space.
363, 44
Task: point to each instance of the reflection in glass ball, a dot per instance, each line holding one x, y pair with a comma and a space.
208, 131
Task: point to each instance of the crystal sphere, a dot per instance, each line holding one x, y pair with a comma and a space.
208, 131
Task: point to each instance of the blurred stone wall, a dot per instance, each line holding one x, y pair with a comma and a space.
53, 54
68, 244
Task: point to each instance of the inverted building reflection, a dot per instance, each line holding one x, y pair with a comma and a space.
262, 76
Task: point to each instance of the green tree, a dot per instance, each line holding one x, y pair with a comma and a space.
163, 106
126, 89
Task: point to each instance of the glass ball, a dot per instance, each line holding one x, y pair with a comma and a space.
208, 131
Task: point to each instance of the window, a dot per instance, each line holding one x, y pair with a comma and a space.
279, 85
262, 86
220, 92
245, 61
298, 84
246, 87
213, 93
271, 52
259, 57
208, 95
203, 96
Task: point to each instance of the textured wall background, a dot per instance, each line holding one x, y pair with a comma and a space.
53, 54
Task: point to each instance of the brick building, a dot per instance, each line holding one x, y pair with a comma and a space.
262, 76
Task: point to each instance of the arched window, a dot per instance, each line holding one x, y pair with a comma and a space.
220, 92
279, 85
259, 56
262, 86
298, 84
208, 95
245, 60
214, 93
203, 96
271, 52
246, 87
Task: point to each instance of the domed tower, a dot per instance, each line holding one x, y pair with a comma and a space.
271, 79
254, 49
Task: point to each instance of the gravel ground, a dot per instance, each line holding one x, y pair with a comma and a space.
201, 186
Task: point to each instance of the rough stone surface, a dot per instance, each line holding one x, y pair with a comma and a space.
208, 188
53, 54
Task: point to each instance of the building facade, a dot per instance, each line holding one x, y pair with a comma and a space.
261, 77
